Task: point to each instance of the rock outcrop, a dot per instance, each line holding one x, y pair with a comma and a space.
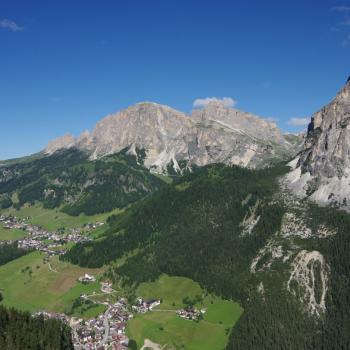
322, 169
66, 141
173, 139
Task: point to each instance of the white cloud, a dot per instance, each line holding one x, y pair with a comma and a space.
342, 9
225, 101
298, 121
344, 24
9, 24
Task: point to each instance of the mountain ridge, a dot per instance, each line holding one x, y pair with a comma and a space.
208, 135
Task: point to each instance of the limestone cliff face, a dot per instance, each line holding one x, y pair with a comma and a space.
65, 141
172, 138
231, 136
322, 170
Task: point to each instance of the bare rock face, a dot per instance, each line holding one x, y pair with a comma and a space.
231, 136
66, 141
160, 130
322, 170
172, 138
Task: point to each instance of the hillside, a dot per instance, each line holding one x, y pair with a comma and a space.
237, 234
68, 180
245, 236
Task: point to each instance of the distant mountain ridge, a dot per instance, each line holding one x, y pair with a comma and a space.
214, 134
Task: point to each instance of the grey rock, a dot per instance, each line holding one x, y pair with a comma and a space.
169, 137
322, 169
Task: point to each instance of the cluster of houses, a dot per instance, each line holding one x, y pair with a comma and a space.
190, 313
40, 239
93, 226
10, 222
106, 331
143, 306
106, 287
85, 228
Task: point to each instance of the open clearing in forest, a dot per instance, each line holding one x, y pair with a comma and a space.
164, 327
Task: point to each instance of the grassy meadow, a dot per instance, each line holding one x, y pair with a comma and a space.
28, 283
164, 327
12, 234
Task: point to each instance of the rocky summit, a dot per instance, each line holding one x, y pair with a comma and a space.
321, 171
174, 141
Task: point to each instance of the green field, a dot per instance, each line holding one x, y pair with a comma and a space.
52, 219
38, 287
12, 234
164, 327
171, 290
91, 312
28, 284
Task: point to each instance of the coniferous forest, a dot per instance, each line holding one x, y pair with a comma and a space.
9, 252
21, 331
69, 181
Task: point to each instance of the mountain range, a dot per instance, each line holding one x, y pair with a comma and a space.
213, 134
247, 235
219, 196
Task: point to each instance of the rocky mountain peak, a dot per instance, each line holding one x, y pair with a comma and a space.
65, 141
172, 138
238, 121
323, 167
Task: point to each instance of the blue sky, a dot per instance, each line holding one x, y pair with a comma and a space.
65, 64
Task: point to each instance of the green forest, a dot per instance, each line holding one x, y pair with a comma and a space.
69, 180
21, 331
9, 252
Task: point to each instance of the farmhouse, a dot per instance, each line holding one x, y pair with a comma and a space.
87, 278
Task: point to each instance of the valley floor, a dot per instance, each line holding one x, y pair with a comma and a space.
36, 283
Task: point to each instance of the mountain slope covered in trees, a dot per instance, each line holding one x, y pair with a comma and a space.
69, 180
235, 232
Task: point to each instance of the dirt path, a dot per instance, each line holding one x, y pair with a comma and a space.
51, 268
